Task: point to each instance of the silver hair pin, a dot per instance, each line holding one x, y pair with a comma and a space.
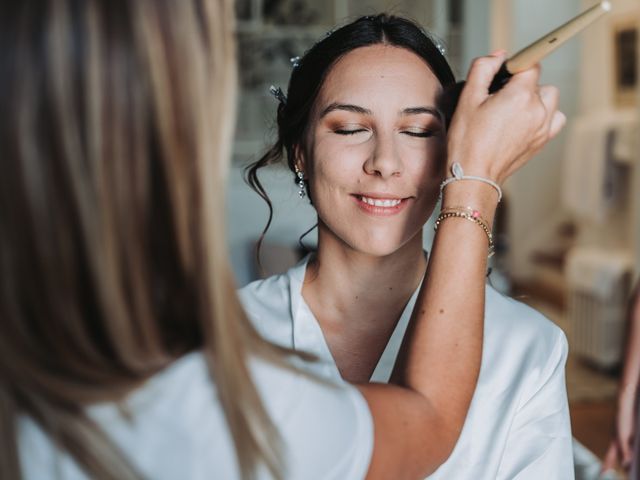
441, 48
278, 93
295, 62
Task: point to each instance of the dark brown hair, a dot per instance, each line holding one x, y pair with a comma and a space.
308, 76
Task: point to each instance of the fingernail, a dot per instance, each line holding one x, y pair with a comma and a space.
499, 53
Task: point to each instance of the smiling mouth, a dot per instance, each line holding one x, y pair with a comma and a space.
380, 202
378, 205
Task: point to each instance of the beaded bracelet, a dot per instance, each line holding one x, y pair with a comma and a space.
470, 214
472, 211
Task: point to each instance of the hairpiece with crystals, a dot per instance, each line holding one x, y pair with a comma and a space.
278, 93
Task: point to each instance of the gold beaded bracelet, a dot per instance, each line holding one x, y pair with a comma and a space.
472, 211
469, 214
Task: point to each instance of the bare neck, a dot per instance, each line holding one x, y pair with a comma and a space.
358, 299
345, 285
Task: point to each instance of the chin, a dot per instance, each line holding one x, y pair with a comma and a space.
383, 245
379, 240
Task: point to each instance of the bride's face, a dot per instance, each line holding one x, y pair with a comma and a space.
375, 149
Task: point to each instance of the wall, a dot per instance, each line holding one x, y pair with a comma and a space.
596, 95
533, 192
583, 71
247, 215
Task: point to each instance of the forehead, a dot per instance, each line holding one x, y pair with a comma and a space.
380, 72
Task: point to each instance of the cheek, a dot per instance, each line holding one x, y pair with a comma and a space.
335, 166
426, 166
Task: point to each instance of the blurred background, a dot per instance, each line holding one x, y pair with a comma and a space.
568, 229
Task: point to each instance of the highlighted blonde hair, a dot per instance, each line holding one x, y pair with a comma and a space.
114, 139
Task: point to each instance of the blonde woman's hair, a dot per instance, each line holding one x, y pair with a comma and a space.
115, 134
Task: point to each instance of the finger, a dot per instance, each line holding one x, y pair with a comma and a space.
558, 121
527, 78
611, 458
481, 74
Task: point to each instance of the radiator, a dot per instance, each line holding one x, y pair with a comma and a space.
599, 283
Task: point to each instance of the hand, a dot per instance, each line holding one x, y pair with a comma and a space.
622, 446
494, 135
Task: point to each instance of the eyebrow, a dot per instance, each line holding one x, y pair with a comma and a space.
365, 111
421, 110
347, 107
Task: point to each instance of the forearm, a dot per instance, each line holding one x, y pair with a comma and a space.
442, 352
438, 365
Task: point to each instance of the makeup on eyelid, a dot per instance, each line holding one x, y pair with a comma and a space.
420, 131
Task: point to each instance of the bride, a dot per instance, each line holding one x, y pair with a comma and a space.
366, 141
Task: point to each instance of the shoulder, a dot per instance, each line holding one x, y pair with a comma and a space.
161, 425
523, 350
326, 427
511, 323
272, 303
270, 295
176, 415
268, 305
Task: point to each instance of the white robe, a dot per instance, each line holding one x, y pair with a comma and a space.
178, 430
518, 425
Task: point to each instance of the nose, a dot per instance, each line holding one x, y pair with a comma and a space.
384, 160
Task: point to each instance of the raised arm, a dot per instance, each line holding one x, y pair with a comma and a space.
418, 421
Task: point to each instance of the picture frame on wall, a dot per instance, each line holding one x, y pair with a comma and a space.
626, 54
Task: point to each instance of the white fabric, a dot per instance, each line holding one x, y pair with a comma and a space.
588, 466
518, 425
178, 429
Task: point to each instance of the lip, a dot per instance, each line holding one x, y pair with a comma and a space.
380, 211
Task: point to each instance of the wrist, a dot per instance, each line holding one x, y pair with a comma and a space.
458, 175
476, 195
470, 161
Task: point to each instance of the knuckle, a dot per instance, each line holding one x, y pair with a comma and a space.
481, 63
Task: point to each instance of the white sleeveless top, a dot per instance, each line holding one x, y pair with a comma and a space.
178, 429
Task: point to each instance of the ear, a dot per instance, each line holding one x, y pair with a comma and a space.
300, 158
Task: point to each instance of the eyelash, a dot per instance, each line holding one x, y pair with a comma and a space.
349, 132
425, 134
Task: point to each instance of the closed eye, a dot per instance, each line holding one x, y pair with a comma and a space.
349, 132
420, 133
